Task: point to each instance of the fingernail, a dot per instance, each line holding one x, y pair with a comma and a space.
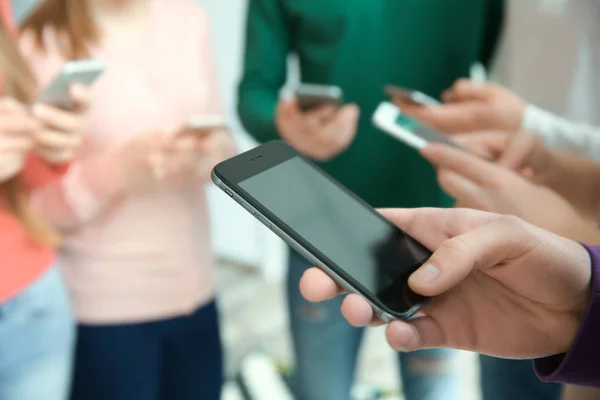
426, 274
395, 332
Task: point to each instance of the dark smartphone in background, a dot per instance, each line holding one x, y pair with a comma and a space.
411, 96
327, 224
309, 96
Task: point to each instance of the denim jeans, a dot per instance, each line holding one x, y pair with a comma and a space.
37, 334
326, 349
514, 380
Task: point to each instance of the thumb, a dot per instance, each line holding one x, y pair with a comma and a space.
350, 113
458, 257
466, 90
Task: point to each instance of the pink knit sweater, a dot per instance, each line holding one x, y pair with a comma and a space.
129, 259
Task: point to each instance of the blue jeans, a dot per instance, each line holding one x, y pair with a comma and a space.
326, 349
37, 334
177, 358
514, 380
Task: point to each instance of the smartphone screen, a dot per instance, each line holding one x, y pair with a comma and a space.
367, 251
425, 132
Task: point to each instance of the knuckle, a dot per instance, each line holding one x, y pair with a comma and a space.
512, 221
455, 245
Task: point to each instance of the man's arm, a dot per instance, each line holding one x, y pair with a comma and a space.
265, 67
580, 365
575, 179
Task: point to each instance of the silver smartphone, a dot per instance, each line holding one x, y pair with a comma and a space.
81, 71
327, 224
311, 96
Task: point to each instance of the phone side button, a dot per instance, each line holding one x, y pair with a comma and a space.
247, 207
264, 221
229, 192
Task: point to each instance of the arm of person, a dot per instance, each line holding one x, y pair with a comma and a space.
86, 191
265, 67
580, 364
575, 179
559, 133
477, 183
38, 172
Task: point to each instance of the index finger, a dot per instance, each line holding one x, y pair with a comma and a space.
470, 166
317, 286
432, 226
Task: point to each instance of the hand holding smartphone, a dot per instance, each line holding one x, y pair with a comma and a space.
82, 71
413, 97
412, 132
310, 96
327, 224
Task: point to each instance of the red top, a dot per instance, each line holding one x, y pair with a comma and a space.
22, 260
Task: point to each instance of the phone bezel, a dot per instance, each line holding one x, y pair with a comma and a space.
244, 166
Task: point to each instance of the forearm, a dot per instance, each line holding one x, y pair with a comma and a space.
84, 193
584, 232
268, 42
580, 364
575, 179
562, 134
256, 108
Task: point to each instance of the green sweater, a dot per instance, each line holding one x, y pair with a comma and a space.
362, 45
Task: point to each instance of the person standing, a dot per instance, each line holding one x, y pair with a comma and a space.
359, 46
37, 329
136, 253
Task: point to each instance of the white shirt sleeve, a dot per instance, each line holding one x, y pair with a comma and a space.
562, 134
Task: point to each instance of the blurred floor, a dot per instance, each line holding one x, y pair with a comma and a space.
253, 315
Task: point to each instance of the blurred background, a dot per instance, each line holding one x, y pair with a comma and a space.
252, 261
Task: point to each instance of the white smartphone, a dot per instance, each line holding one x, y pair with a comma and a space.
414, 133
311, 96
80, 71
412, 96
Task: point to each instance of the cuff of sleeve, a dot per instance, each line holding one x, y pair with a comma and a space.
89, 186
580, 364
536, 120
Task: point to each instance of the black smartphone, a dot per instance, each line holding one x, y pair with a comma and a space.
411, 96
327, 224
310, 96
